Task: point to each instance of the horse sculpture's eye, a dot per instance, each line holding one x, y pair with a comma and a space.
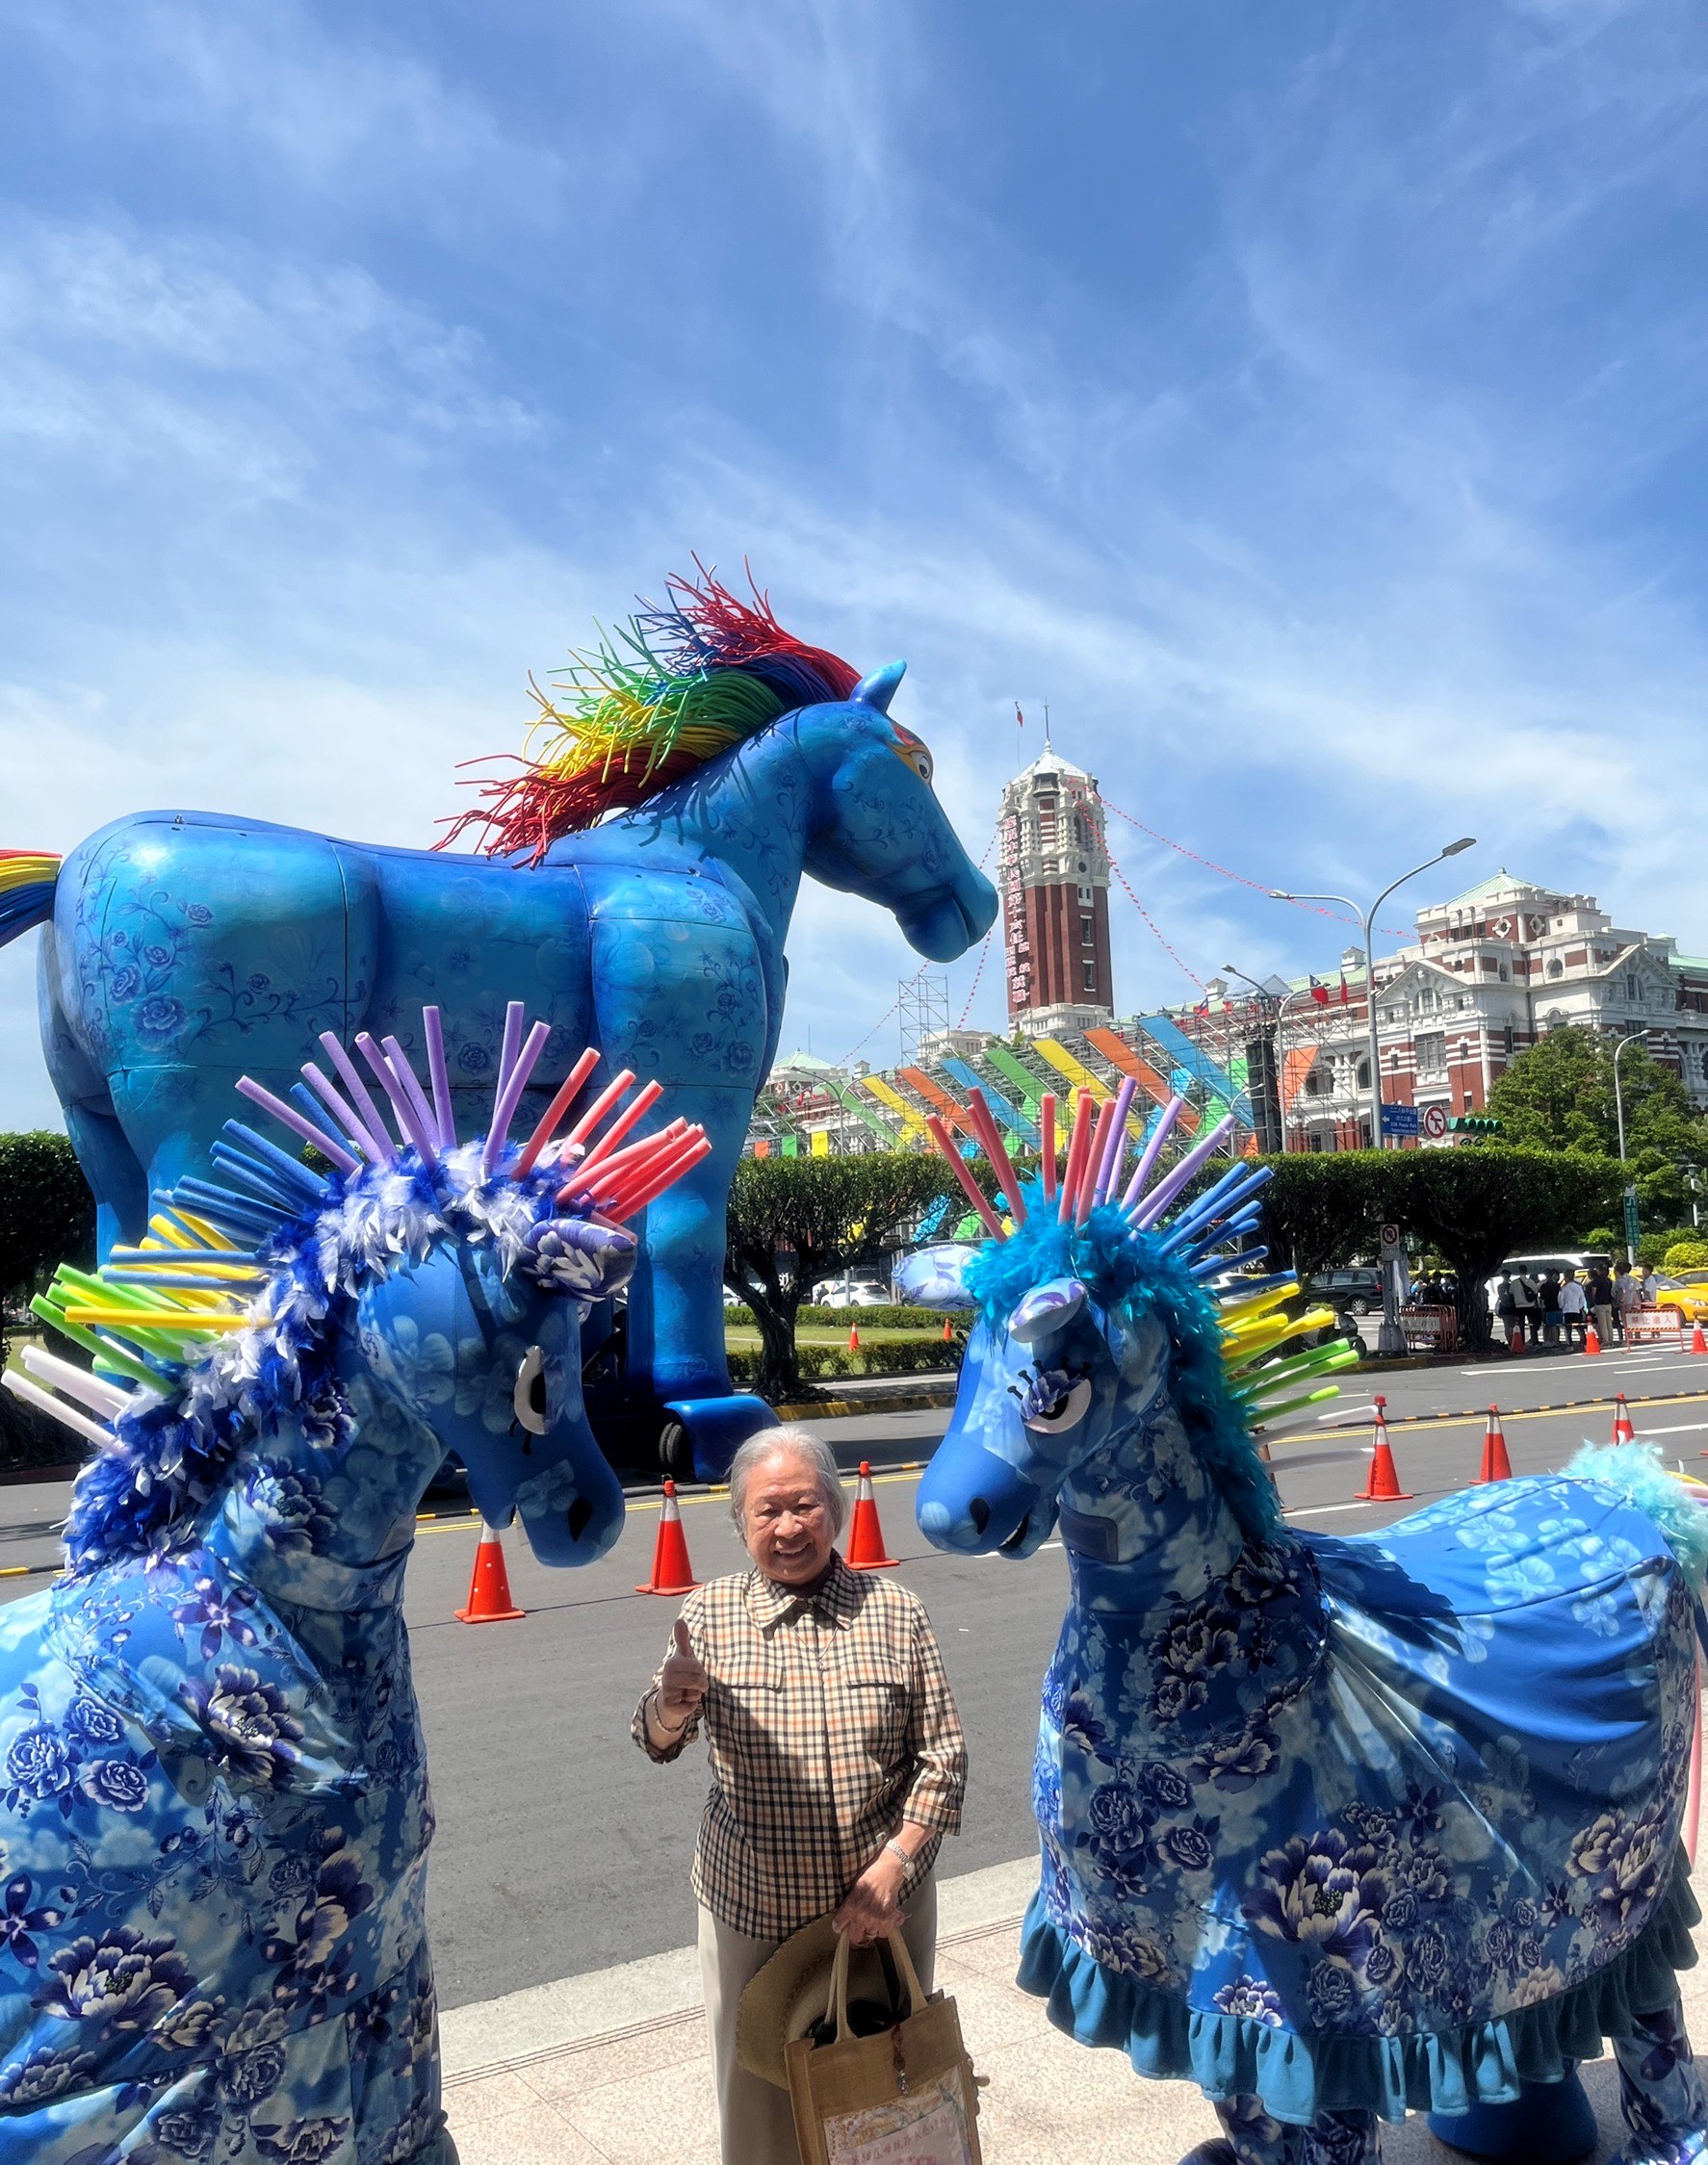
530, 1400
912, 753
1054, 1401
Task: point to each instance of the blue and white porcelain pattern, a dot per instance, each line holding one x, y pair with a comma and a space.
213, 1810
1337, 1828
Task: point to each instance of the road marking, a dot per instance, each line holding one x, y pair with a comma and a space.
1316, 1511
1684, 1429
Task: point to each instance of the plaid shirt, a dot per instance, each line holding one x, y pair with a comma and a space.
829, 1721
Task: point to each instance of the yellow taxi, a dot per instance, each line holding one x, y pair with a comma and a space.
1687, 1291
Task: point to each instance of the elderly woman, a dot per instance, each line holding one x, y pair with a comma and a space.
837, 1762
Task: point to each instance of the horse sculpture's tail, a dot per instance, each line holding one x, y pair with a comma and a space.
27, 879
1636, 1471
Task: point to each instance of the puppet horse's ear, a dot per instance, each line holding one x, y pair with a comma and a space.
936, 1277
575, 1256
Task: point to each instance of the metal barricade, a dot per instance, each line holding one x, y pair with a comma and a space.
1430, 1330
1654, 1326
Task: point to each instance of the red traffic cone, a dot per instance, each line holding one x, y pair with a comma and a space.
1592, 1340
1383, 1486
1516, 1342
1698, 1344
865, 1536
1622, 1431
489, 1589
853, 1337
1496, 1465
672, 1572
949, 1334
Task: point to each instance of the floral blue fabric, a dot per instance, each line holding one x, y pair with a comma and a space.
215, 1825
1357, 1824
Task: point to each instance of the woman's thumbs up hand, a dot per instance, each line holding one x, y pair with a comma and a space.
682, 1682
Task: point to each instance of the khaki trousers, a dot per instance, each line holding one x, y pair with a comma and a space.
755, 2120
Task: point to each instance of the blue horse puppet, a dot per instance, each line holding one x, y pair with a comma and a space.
1335, 1828
213, 1813
725, 760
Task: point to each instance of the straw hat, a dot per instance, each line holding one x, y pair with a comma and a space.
785, 1998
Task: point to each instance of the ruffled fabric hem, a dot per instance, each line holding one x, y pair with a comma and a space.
1298, 2077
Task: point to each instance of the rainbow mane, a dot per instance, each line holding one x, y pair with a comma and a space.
679, 682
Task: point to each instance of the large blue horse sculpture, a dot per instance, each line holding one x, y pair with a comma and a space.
1335, 1828
213, 1813
182, 947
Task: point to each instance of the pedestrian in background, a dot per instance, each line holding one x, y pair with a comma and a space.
1627, 1296
1601, 1303
1651, 1286
1525, 1303
1548, 1300
1574, 1308
837, 1762
1506, 1310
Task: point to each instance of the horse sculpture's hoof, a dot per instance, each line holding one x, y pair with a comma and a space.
1548, 2123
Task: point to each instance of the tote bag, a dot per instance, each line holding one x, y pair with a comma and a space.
906, 2097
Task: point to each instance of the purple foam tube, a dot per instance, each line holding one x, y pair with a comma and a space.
523, 1062
404, 1069
1135, 1187
516, 1015
1170, 1186
373, 1118
1109, 1169
432, 1022
343, 1112
407, 1120
289, 1117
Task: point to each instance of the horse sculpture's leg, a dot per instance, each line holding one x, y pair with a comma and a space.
1253, 2138
114, 1173
1662, 2093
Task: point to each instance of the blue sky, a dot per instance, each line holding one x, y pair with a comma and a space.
1306, 401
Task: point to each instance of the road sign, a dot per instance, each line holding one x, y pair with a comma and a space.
1435, 1122
1631, 1218
1391, 1243
1399, 1120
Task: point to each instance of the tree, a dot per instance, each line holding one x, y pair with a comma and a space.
1558, 1094
47, 1215
1473, 1205
831, 1214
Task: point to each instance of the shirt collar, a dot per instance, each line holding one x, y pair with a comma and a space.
837, 1600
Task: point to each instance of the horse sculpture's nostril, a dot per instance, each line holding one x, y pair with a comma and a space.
979, 1513
577, 1517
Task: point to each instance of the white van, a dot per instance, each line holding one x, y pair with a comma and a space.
1582, 1260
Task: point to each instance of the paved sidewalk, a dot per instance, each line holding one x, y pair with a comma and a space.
613, 2070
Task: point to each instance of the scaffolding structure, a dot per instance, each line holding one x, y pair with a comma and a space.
922, 1007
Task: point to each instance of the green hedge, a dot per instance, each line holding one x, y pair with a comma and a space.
889, 1318
823, 1364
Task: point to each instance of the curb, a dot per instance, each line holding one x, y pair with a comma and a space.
931, 1400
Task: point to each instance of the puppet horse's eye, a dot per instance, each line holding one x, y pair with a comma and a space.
1064, 1412
530, 1397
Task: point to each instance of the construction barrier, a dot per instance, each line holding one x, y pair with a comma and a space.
1430, 1330
1654, 1326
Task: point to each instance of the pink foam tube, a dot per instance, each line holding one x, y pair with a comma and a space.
1135, 1187
516, 1015
637, 1109
404, 1069
1078, 1144
408, 1118
342, 1112
684, 1161
975, 1195
567, 1092
373, 1118
985, 1128
523, 1062
601, 1105
1046, 1135
1109, 1164
1166, 1190
432, 1022
298, 1124
1094, 1157
616, 1170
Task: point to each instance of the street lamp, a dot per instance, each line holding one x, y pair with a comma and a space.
1281, 894
1618, 1105
1391, 1339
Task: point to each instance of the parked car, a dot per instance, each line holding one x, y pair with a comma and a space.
1355, 1291
1687, 1292
850, 1293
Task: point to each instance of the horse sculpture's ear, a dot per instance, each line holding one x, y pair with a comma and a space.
936, 1277
587, 1261
1045, 1308
879, 688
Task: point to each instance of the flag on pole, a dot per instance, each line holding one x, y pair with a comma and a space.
1345, 996
1019, 720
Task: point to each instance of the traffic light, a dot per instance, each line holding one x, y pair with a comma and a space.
1474, 1123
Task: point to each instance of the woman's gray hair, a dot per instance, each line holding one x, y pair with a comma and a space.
799, 1443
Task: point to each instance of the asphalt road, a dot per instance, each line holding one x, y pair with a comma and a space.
561, 1848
